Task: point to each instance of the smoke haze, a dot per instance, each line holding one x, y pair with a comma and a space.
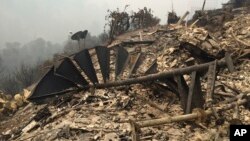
26, 20
32, 31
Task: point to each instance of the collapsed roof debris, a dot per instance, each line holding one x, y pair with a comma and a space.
144, 78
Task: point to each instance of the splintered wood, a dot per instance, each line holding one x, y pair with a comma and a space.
168, 105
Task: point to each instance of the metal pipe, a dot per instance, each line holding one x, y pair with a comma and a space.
203, 6
182, 18
152, 77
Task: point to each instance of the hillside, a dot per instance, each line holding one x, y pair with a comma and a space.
129, 112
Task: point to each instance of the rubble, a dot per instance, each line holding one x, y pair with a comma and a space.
130, 112
11, 104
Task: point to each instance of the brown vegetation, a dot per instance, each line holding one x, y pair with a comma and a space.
119, 22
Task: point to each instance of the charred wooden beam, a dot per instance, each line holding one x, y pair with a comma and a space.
195, 97
172, 84
197, 52
229, 62
211, 83
183, 90
135, 65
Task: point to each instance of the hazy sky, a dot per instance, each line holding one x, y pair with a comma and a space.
26, 20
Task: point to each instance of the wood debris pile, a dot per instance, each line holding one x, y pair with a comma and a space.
10, 104
110, 114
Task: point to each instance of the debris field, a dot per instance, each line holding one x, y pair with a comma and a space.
167, 82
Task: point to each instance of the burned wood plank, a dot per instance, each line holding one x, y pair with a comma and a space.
211, 78
172, 84
160, 87
244, 54
136, 64
229, 62
191, 92
183, 91
195, 98
211, 82
197, 52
